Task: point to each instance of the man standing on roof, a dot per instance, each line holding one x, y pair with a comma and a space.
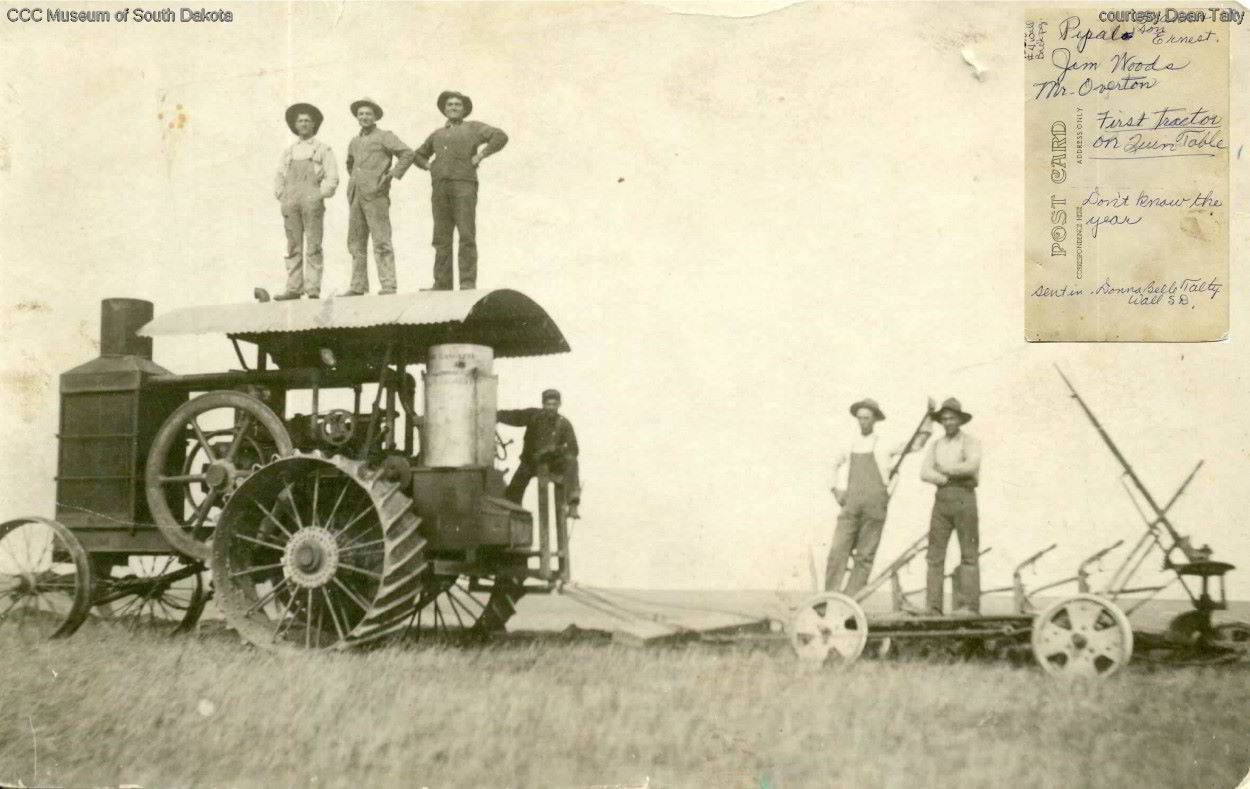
953, 464
306, 176
862, 472
457, 148
369, 158
549, 438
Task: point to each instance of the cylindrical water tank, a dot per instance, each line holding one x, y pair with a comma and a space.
460, 401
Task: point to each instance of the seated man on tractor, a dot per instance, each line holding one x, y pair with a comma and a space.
549, 439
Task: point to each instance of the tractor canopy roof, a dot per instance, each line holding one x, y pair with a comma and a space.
363, 326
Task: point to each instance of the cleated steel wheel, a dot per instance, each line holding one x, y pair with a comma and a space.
451, 608
1082, 636
45, 580
830, 627
203, 451
160, 594
314, 552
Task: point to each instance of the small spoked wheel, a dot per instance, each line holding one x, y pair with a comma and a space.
1082, 636
45, 580
156, 594
203, 451
830, 627
458, 608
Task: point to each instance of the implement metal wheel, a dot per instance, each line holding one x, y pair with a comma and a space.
162, 594
830, 627
45, 580
318, 553
192, 470
1233, 636
1082, 636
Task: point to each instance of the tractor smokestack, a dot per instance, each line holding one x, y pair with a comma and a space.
120, 319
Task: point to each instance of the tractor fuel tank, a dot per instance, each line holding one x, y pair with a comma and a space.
460, 401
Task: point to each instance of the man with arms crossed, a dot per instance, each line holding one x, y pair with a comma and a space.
953, 464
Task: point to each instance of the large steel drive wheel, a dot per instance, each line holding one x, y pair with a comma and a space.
1082, 636
830, 627
45, 580
203, 451
315, 552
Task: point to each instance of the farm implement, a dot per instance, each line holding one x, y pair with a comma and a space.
1085, 634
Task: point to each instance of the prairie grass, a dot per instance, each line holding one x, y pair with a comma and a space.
109, 708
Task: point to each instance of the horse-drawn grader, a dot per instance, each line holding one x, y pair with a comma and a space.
349, 522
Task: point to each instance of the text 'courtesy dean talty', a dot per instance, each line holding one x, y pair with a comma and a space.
1126, 174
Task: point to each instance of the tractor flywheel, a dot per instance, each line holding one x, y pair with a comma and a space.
318, 552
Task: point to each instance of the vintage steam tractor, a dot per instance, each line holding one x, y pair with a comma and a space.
360, 518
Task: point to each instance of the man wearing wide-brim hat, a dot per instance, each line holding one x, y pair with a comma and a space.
369, 158
306, 176
861, 483
452, 154
953, 464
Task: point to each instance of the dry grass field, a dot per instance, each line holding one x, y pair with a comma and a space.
110, 708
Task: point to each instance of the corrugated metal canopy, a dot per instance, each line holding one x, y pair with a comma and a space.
508, 321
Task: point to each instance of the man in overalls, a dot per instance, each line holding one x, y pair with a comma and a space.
953, 464
369, 158
452, 154
860, 488
306, 176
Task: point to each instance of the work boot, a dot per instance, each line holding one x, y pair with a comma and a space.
963, 612
286, 296
572, 512
467, 286
351, 293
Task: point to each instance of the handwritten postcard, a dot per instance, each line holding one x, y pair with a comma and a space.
1126, 182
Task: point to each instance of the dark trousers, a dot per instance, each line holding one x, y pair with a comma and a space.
954, 510
857, 535
455, 208
563, 473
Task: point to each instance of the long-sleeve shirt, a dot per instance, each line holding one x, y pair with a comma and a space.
865, 444
453, 147
323, 164
544, 432
953, 461
369, 158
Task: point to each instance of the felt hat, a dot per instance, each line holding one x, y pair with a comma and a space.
870, 404
952, 405
303, 108
367, 102
551, 394
455, 94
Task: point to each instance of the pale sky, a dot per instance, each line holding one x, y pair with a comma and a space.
741, 225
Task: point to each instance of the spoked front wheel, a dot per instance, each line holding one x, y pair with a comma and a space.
461, 608
157, 594
45, 580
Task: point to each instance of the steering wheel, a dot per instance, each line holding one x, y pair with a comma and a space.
337, 427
